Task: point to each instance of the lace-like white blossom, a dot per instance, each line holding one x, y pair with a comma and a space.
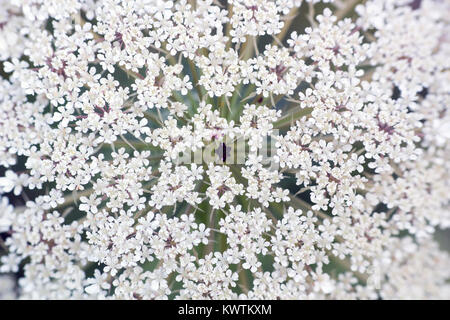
257, 149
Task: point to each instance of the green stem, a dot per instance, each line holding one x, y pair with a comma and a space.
291, 117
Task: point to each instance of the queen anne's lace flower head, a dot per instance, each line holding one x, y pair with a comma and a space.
217, 150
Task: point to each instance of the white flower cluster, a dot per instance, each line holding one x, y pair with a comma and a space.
336, 192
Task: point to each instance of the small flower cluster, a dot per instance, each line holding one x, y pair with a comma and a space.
343, 173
